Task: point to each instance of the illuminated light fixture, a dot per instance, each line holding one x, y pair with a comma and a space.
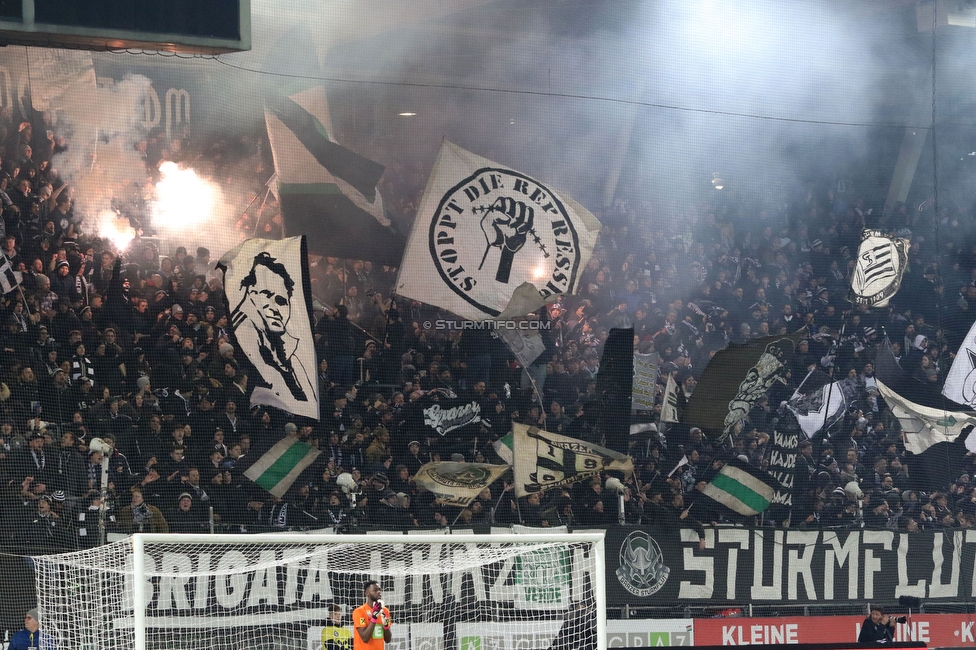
407, 114
717, 181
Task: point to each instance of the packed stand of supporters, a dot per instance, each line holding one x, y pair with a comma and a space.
134, 347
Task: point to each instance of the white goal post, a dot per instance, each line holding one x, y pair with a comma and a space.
298, 592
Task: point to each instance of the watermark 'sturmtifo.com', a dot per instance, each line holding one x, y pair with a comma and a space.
457, 325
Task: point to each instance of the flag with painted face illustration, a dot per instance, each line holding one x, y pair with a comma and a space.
881, 263
270, 304
492, 242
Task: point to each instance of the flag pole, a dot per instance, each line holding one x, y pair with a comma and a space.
494, 508
20, 288
266, 190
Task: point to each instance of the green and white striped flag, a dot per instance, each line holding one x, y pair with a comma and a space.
281, 465
503, 447
741, 488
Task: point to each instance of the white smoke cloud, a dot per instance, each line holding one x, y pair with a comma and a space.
102, 125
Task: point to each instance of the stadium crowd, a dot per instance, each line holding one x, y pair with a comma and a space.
133, 346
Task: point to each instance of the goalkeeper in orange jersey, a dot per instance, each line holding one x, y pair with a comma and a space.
371, 621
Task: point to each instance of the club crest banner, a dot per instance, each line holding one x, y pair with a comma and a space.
881, 263
458, 484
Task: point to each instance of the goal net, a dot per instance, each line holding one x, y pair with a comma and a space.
264, 592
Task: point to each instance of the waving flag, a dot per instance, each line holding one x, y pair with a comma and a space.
823, 406
280, 466
9, 279
741, 488
881, 263
960, 383
491, 242
458, 484
545, 460
669, 408
925, 426
270, 304
735, 379
327, 191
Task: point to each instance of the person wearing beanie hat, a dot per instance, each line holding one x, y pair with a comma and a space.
31, 636
186, 518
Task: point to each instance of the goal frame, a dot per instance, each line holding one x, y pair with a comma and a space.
139, 541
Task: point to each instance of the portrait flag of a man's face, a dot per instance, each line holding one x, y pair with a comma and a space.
269, 298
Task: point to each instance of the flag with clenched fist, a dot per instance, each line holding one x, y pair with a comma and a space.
490, 242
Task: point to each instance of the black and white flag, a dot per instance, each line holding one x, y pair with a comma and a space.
735, 379
881, 263
669, 408
9, 279
822, 407
960, 383
545, 460
491, 242
270, 303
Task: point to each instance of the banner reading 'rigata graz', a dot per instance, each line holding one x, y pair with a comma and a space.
740, 566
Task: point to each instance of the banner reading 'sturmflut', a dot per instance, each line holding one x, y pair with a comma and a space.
491, 242
270, 303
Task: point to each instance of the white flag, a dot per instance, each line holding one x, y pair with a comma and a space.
821, 408
491, 242
881, 263
269, 298
960, 383
924, 426
669, 409
9, 279
526, 345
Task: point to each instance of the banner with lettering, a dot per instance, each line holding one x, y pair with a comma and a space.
783, 449
760, 566
442, 413
645, 381
935, 630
